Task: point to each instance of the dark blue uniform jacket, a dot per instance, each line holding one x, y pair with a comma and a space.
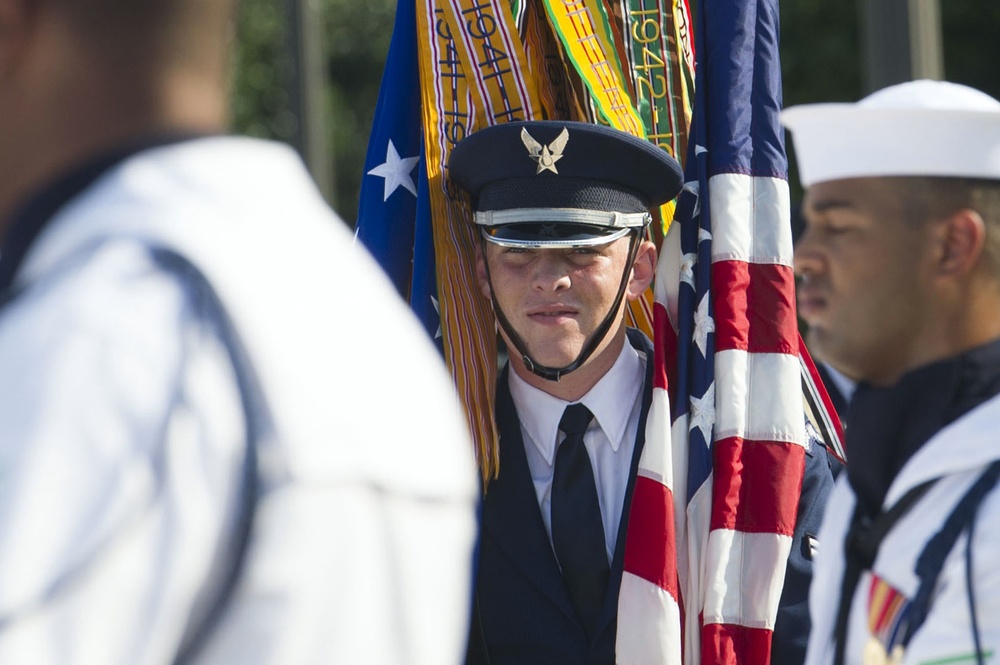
522, 612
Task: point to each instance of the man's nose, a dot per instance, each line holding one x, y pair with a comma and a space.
808, 258
550, 272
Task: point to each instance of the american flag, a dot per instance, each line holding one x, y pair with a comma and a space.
714, 507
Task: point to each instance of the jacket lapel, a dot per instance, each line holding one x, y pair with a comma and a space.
511, 513
513, 518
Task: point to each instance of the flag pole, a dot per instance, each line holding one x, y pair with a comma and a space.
306, 93
902, 41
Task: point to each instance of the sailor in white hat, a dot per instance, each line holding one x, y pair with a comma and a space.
900, 287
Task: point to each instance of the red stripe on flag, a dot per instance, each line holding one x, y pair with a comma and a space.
757, 485
754, 307
665, 348
728, 644
651, 520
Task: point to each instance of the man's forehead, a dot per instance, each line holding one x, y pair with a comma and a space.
850, 195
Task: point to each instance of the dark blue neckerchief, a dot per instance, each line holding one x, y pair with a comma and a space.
887, 426
31, 218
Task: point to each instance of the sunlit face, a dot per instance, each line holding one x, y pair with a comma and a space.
864, 271
556, 298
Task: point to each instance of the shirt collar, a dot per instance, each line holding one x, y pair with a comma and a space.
610, 400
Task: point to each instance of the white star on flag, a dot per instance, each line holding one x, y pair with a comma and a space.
695, 189
703, 413
688, 262
396, 172
704, 324
437, 308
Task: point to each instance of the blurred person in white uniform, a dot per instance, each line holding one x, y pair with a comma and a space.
900, 286
223, 439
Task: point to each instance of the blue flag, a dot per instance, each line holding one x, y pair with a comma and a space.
394, 219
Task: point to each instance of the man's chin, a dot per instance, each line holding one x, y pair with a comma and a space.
816, 340
554, 359
823, 346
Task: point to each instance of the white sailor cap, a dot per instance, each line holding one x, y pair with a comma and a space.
919, 128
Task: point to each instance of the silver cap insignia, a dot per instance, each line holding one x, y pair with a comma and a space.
545, 155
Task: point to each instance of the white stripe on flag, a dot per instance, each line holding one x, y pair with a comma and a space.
657, 629
743, 212
668, 270
774, 413
691, 564
739, 559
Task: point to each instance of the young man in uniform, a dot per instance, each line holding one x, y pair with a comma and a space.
195, 463
900, 286
562, 209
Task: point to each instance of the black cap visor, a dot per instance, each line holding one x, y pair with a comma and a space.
552, 235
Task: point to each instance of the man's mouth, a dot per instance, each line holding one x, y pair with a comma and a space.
810, 304
552, 313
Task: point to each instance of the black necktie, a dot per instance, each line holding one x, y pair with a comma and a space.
577, 528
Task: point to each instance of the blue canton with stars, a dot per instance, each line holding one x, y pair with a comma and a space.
394, 216
696, 328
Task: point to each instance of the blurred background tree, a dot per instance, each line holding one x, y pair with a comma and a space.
355, 42
820, 53
260, 100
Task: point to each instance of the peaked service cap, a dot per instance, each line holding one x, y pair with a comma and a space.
918, 128
548, 183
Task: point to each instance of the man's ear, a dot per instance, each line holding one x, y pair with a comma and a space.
481, 277
643, 270
962, 241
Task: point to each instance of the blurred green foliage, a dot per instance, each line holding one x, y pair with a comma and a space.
820, 57
260, 104
356, 39
971, 44
821, 47
820, 53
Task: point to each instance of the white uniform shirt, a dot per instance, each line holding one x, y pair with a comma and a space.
957, 455
616, 403
122, 434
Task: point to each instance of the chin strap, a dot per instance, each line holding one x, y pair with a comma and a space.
555, 373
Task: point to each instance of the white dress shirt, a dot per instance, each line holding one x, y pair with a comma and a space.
610, 438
